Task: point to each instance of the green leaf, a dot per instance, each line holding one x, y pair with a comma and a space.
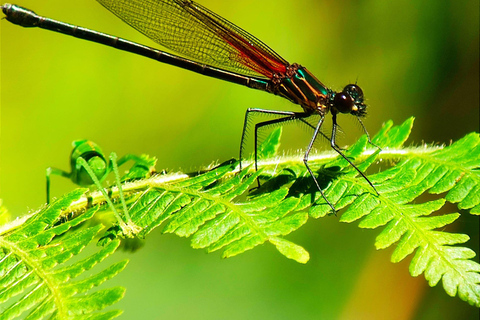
35, 276
452, 169
141, 169
216, 209
269, 147
291, 250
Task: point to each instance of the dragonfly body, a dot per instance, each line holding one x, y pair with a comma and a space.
290, 81
220, 49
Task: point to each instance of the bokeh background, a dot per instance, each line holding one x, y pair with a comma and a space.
412, 58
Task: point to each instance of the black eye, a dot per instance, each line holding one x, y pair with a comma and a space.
343, 102
354, 91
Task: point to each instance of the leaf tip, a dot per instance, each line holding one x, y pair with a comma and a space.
291, 250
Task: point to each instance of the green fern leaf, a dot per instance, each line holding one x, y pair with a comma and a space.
458, 168
212, 209
35, 278
453, 169
269, 148
202, 207
141, 169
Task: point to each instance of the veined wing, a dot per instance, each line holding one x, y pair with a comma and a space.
196, 32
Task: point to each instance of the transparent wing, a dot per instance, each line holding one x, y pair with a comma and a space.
195, 32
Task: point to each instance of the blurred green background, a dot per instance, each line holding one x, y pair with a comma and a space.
412, 58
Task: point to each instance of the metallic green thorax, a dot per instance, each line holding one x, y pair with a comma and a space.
95, 158
301, 87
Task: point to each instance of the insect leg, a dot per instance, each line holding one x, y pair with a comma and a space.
305, 161
50, 171
332, 143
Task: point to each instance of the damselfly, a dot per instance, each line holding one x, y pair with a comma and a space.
222, 50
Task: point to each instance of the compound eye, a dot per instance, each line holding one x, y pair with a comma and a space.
343, 102
354, 91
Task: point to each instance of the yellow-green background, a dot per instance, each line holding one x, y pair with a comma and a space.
412, 58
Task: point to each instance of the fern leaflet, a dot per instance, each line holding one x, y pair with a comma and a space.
211, 207
33, 261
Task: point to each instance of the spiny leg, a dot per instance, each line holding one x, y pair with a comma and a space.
132, 228
333, 145
82, 163
289, 115
89, 167
313, 128
260, 125
305, 161
366, 132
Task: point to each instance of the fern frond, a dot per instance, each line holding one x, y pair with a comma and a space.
35, 279
204, 208
453, 169
212, 209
